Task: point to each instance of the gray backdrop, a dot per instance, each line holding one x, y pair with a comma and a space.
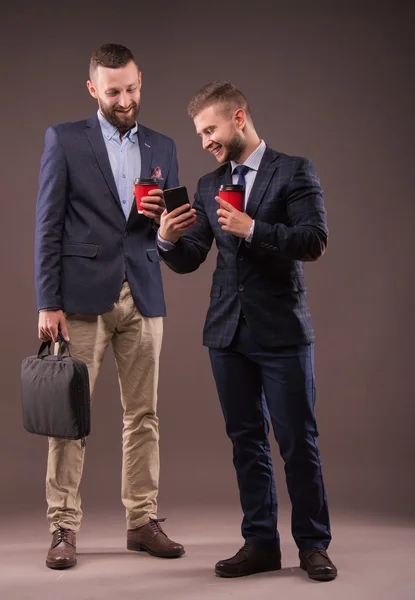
332, 81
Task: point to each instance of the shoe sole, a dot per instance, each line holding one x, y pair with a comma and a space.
134, 547
60, 566
326, 577
229, 576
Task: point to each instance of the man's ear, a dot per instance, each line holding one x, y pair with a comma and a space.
91, 89
239, 118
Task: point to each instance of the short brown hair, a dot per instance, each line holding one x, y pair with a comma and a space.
218, 92
112, 56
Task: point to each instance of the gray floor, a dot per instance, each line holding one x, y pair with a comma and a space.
375, 558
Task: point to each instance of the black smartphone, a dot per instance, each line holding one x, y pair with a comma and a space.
175, 197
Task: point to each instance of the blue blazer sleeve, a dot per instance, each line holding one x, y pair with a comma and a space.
50, 216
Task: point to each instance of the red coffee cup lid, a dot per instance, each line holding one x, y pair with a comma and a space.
145, 180
232, 188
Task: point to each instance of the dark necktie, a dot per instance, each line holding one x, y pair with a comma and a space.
241, 171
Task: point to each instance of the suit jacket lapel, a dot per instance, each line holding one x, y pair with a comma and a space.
145, 151
225, 178
265, 173
222, 178
93, 131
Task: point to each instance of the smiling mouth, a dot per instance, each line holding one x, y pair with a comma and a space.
124, 111
216, 150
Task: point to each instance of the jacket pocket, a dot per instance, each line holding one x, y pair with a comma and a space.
79, 249
289, 286
153, 256
216, 291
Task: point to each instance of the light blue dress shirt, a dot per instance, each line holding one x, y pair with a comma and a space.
125, 160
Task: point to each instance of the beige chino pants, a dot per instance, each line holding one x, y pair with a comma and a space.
136, 342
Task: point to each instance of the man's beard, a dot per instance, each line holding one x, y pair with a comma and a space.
122, 122
234, 148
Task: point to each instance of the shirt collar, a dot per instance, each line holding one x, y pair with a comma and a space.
254, 159
109, 131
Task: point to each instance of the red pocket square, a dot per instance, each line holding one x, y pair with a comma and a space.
156, 172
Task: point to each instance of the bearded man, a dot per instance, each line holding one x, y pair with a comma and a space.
98, 281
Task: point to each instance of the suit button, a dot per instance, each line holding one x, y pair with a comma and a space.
241, 288
125, 234
240, 258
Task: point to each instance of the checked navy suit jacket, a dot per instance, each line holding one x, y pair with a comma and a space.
265, 278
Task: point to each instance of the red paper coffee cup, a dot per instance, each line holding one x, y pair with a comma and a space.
234, 195
142, 185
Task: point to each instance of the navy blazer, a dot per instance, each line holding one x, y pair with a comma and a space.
83, 243
265, 278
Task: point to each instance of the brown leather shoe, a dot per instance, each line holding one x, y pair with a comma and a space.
249, 560
152, 539
62, 551
317, 563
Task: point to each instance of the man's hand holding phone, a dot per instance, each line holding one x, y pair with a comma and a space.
173, 224
178, 216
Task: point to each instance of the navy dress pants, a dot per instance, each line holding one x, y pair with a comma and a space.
256, 386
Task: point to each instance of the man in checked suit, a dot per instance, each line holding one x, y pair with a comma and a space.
98, 278
258, 327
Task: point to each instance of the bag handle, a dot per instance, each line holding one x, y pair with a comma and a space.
63, 346
43, 347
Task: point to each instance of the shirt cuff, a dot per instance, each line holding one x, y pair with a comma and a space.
248, 239
164, 244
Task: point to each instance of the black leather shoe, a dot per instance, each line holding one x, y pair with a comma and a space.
317, 564
249, 560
